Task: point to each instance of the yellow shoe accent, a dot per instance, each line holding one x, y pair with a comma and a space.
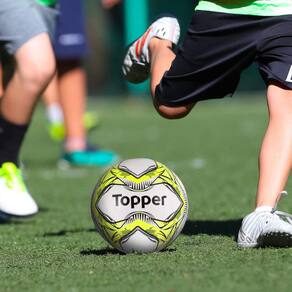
15, 200
12, 176
57, 132
91, 121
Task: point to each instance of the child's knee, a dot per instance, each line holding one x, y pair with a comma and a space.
37, 74
35, 62
170, 112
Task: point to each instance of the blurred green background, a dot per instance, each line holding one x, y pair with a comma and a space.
107, 35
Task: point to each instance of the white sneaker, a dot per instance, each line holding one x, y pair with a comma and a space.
136, 65
15, 199
264, 228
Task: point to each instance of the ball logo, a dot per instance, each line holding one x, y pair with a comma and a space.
139, 200
160, 202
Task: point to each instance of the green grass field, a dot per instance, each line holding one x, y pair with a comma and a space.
213, 151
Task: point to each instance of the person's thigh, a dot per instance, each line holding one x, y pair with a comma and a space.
35, 58
280, 104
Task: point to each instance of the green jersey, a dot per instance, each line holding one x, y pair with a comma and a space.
47, 2
248, 7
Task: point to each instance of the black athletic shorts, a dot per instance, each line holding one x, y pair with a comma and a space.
218, 47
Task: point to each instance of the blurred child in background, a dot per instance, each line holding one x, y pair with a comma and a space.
65, 97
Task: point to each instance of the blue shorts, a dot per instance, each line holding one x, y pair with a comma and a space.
70, 38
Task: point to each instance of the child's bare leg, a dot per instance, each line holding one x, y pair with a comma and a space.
161, 56
51, 94
154, 50
72, 86
51, 100
275, 160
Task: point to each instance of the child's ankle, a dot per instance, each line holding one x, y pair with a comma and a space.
264, 208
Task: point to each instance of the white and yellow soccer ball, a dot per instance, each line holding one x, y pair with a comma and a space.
139, 206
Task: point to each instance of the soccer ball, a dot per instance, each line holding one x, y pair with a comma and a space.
139, 206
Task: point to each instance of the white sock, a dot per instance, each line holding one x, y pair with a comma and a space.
264, 209
55, 113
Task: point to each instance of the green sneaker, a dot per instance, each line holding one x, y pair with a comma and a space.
15, 200
90, 158
91, 121
57, 130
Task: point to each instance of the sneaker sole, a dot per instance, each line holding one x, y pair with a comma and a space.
276, 239
64, 164
247, 245
6, 216
142, 70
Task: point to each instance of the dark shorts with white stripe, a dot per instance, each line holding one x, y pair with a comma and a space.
218, 47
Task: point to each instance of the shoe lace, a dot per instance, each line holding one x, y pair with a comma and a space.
12, 176
283, 215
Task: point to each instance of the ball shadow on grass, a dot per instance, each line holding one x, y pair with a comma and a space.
108, 251
64, 232
101, 252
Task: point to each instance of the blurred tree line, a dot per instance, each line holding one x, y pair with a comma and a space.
106, 37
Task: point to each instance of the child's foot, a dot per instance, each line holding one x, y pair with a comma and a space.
57, 130
90, 157
136, 66
264, 228
91, 121
15, 200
